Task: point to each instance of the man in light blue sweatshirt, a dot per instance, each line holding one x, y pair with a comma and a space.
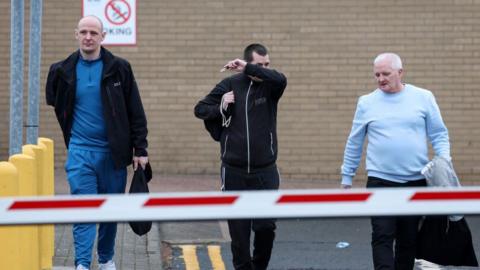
398, 119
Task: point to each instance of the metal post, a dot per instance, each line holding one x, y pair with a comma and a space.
34, 53
16, 76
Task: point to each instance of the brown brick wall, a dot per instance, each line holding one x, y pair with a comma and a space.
324, 47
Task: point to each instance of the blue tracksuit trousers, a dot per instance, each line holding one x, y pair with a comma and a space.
92, 172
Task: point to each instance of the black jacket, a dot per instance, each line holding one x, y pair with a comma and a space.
123, 112
250, 141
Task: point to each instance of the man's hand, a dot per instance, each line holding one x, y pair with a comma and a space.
346, 186
227, 98
139, 160
235, 65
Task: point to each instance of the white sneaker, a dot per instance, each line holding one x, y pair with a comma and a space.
110, 265
81, 267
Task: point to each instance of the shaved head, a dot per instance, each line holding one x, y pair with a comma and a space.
90, 18
90, 34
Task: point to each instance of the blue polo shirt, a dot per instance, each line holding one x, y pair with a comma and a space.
88, 129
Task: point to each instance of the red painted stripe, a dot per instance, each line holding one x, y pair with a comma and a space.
324, 198
455, 195
50, 204
191, 201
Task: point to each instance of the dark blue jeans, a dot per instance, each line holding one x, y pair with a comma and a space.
91, 172
387, 229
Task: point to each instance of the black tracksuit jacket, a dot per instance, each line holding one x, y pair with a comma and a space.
250, 141
123, 112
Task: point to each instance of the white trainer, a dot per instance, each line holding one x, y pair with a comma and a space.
81, 267
110, 265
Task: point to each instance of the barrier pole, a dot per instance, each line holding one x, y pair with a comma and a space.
27, 186
10, 248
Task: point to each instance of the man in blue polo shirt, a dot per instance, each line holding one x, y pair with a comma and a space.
98, 107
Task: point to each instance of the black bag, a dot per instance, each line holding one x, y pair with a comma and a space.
214, 127
445, 242
139, 185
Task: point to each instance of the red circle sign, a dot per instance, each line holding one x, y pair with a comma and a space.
117, 11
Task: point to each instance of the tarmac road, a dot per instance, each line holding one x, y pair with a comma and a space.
300, 244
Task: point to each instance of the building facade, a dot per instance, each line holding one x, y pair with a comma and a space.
325, 48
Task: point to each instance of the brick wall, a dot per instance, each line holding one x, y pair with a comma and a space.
324, 47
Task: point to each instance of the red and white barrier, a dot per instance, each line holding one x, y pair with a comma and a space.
232, 205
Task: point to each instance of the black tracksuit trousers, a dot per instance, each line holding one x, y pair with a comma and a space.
264, 229
386, 230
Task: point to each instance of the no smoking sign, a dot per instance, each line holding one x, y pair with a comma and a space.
118, 12
118, 17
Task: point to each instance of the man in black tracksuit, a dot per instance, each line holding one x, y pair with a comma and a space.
241, 113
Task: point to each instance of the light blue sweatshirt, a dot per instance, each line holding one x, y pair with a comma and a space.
397, 126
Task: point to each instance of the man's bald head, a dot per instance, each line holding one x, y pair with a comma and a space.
90, 34
91, 19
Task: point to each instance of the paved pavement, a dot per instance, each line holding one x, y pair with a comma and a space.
132, 252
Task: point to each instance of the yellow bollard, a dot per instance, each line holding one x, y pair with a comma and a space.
27, 186
48, 188
49, 164
38, 152
9, 235
48, 185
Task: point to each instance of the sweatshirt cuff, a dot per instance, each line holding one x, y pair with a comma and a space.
347, 180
